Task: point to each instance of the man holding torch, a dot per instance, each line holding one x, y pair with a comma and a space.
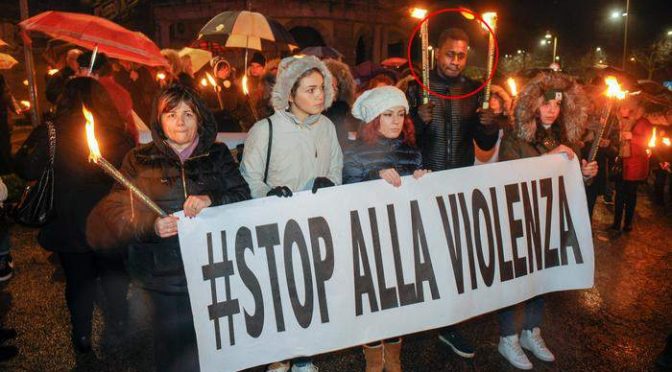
446, 129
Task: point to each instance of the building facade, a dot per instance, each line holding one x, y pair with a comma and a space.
361, 30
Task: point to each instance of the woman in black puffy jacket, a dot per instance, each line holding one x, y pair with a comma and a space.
181, 169
386, 144
385, 149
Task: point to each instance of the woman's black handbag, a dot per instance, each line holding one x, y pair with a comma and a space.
36, 205
616, 170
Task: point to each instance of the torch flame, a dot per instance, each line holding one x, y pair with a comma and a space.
489, 18
25, 104
245, 90
418, 13
614, 88
94, 149
204, 82
52, 71
652, 140
211, 80
512, 86
161, 76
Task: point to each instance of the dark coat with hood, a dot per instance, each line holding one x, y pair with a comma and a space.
362, 161
526, 139
118, 221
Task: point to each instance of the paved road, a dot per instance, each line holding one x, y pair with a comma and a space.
620, 324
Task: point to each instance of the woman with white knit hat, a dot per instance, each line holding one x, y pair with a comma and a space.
385, 149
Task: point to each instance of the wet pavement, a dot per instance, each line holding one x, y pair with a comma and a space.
619, 325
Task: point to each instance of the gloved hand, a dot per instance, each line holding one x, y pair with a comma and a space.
280, 191
321, 182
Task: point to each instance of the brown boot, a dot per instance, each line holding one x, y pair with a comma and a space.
374, 358
392, 356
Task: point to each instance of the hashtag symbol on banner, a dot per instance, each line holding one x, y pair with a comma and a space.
227, 308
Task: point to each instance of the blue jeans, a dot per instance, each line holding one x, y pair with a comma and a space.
534, 313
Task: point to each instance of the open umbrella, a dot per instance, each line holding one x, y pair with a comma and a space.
243, 29
93, 32
7, 61
394, 62
199, 57
322, 52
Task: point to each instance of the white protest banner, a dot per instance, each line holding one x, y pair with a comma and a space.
275, 278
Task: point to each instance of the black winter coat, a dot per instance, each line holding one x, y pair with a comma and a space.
156, 170
447, 141
78, 184
363, 161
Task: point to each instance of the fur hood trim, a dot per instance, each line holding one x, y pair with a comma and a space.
573, 109
288, 73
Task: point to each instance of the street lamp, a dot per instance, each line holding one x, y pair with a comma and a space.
547, 40
669, 33
598, 49
626, 14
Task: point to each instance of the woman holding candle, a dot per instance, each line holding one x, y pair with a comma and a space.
551, 114
384, 150
181, 169
78, 186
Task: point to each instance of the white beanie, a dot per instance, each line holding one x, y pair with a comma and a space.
375, 101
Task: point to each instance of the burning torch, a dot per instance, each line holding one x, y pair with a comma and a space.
512, 87
97, 158
489, 19
614, 91
214, 87
419, 13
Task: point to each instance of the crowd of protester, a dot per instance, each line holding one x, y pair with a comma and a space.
309, 125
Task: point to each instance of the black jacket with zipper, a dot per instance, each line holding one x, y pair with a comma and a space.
120, 221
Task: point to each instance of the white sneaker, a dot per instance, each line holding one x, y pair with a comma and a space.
510, 349
278, 367
532, 341
310, 367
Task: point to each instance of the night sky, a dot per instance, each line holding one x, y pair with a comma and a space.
579, 24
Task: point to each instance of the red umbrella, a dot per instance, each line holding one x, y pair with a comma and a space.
394, 62
90, 32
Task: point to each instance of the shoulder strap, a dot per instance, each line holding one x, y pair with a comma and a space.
52, 141
268, 151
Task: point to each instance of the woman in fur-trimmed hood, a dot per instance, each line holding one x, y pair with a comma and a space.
304, 152
574, 107
551, 115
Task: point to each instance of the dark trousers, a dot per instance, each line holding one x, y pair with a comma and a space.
659, 187
174, 335
592, 191
626, 199
534, 314
81, 273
